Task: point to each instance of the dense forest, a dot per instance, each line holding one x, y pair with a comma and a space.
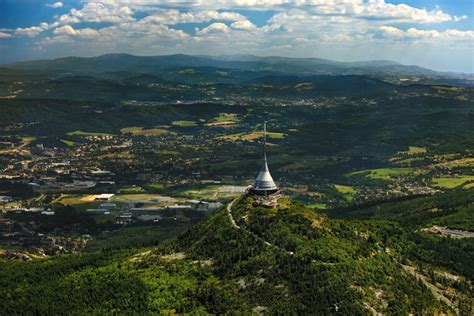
287, 260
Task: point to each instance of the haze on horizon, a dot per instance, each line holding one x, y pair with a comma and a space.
437, 35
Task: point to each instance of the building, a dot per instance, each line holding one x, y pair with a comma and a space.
5, 199
103, 197
149, 218
264, 190
108, 206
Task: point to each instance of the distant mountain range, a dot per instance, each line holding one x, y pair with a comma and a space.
229, 68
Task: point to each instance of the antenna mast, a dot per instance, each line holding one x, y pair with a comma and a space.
265, 140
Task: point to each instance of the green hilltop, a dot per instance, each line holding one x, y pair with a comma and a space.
282, 260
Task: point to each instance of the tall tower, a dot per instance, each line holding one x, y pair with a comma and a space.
264, 184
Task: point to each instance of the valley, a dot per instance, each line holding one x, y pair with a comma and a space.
124, 187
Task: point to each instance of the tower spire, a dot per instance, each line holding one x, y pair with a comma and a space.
264, 188
264, 184
265, 142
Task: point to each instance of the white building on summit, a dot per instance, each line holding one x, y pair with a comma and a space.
264, 184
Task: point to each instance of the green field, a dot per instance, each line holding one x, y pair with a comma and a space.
131, 190
451, 182
83, 133
184, 123
139, 196
414, 150
320, 206
69, 143
251, 136
130, 129
346, 190
158, 186
151, 132
140, 131
382, 173
226, 117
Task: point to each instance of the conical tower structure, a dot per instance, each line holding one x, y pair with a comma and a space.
264, 184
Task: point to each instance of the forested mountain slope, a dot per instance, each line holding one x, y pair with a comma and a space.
285, 260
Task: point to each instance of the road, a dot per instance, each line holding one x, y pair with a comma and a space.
229, 212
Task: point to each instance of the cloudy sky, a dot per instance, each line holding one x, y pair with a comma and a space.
437, 34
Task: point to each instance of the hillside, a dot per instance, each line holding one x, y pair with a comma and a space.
286, 260
247, 65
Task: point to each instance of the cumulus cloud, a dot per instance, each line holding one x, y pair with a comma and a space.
215, 28
243, 25
98, 12
172, 17
69, 30
371, 9
413, 33
55, 5
4, 35
29, 31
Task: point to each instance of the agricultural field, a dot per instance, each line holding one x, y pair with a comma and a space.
184, 123
83, 133
69, 143
347, 191
224, 119
251, 136
382, 173
414, 150
452, 182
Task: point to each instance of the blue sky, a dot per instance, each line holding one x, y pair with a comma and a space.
433, 34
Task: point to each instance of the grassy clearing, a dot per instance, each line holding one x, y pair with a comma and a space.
468, 186
382, 173
319, 206
130, 130
222, 123
141, 196
407, 161
83, 133
224, 119
151, 132
251, 136
131, 190
414, 150
451, 182
346, 190
28, 139
139, 131
184, 123
74, 199
464, 162
227, 117
123, 155
158, 186
69, 143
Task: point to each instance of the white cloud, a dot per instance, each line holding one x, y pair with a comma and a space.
391, 31
4, 35
243, 25
83, 33
98, 12
55, 5
369, 9
214, 28
298, 27
413, 33
29, 31
172, 17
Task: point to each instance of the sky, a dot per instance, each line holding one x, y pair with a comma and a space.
437, 34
